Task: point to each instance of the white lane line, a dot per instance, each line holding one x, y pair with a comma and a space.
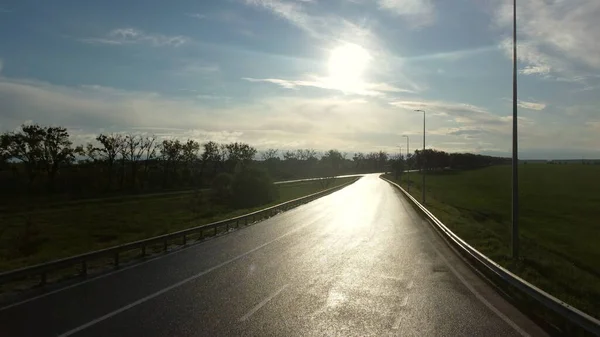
107, 274
173, 286
262, 303
96, 278
398, 320
480, 297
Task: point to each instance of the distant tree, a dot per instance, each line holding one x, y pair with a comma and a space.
111, 147
210, 156
26, 146
150, 146
269, 154
290, 155
133, 150
170, 155
5, 154
271, 160
333, 159
239, 154
358, 160
252, 187
57, 150
398, 165
189, 156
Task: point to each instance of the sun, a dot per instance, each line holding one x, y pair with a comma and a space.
347, 64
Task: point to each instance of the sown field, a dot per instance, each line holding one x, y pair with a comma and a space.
59, 230
559, 222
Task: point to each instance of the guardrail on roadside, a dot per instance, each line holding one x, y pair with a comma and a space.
43, 269
575, 316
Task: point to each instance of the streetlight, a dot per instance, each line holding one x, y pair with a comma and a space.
407, 152
423, 159
515, 147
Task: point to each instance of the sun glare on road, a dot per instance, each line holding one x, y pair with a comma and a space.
347, 65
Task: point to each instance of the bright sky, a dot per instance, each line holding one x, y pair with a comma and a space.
321, 74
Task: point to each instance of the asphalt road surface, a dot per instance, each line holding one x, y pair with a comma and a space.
358, 262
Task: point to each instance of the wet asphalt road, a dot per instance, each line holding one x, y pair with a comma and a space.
358, 262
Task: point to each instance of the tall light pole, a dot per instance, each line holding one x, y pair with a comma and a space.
423, 159
407, 152
515, 147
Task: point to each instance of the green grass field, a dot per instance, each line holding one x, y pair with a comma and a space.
559, 222
62, 230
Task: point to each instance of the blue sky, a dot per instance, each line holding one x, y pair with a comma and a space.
320, 74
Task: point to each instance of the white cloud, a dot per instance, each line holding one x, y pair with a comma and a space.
418, 12
458, 112
342, 122
531, 105
594, 125
364, 89
556, 36
316, 25
196, 15
125, 36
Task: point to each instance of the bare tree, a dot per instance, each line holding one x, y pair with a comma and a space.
57, 151
133, 151
149, 145
290, 155
171, 154
111, 147
269, 154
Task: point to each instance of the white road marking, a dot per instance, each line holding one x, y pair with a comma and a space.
262, 303
480, 297
95, 278
173, 286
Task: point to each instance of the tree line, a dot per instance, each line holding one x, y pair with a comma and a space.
42, 160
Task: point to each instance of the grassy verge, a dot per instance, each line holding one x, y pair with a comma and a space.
47, 233
558, 223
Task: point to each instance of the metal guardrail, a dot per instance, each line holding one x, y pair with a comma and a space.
570, 313
43, 269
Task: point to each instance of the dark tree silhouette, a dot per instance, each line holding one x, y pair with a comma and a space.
111, 147
57, 150
26, 146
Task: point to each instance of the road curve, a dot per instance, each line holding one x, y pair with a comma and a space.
358, 262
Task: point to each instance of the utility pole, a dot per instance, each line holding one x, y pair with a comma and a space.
408, 168
515, 147
423, 159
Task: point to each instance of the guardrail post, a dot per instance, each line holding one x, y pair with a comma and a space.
237, 223
184, 239
117, 260
83, 268
227, 227
165, 246
143, 250
246, 221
